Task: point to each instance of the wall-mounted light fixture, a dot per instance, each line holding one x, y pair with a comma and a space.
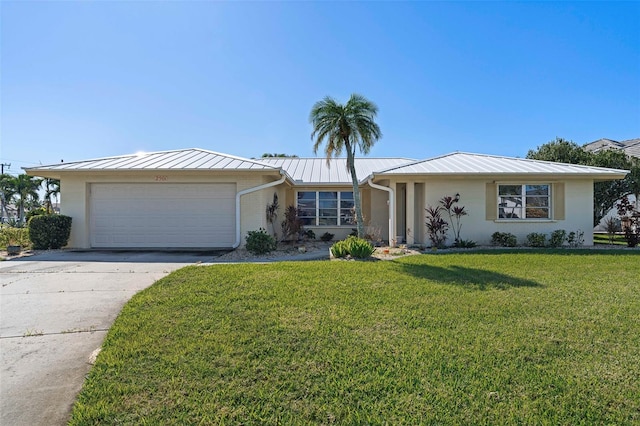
457, 198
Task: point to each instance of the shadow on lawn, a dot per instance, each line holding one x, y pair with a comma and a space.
466, 277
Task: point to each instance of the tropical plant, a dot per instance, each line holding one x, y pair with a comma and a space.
26, 188
52, 190
455, 214
292, 225
272, 213
346, 127
436, 226
630, 221
358, 248
7, 192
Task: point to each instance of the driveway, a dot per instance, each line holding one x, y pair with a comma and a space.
55, 310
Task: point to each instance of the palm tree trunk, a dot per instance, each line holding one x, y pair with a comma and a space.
356, 192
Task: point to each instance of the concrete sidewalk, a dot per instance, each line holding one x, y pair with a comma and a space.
55, 310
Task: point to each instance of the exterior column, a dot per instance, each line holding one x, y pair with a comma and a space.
394, 222
410, 212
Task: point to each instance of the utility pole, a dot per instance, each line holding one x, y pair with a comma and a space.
2, 167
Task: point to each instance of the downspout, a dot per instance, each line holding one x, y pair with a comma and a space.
391, 207
247, 191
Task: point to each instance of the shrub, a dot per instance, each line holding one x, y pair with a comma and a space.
260, 242
611, 226
340, 249
10, 236
558, 237
504, 239
575, 239
309, 234
436, 226
358, 248
50, 231
536, 239
35, 212
464, 244
327, 236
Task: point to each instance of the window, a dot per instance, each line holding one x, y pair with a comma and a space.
524, 201
325, 208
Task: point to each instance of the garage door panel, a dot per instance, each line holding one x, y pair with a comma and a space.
162, 215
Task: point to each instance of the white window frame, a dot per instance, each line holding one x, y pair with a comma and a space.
316, 218
522, 208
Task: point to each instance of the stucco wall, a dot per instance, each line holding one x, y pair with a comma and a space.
75, 187
475, 226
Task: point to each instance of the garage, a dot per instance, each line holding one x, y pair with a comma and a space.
162, 215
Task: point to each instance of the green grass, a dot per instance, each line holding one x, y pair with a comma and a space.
536, 337
604, 239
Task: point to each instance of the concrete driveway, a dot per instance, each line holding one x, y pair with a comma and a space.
55, 311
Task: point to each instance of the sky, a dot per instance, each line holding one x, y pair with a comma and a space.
90, 79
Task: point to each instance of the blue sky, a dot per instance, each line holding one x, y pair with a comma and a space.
87, 79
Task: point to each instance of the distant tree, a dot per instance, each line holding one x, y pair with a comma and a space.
26, 188
52, 189
347, 127
605, 194
560, 151
7, 192
268, 155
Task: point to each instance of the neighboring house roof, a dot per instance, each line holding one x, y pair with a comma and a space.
183, 159
630, 147
461, 163
317, 171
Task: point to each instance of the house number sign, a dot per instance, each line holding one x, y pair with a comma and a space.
160, 178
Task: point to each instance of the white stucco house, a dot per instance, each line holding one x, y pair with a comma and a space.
195, 198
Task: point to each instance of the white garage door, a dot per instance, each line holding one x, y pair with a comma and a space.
162, 215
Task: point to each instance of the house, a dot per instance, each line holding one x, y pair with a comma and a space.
631, 147
195, 198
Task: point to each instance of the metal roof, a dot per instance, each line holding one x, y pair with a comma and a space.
461, 163
316, 170
184, 159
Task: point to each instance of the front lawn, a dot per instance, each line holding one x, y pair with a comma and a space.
486, 338
618, 239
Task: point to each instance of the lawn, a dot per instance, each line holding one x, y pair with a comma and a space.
486, 338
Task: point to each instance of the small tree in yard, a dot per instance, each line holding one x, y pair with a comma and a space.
455, 214
630, 219
292, 225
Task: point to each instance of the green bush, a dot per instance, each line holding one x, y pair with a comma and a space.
464, 244
309, 234
575, 239
353, 246
558, 237
504, 239
50, 231
260, 242
536, 239
10, 236
327, 236
360, 248
340, 249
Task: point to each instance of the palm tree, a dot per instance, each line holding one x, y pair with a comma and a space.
52, 189
7, 192
26, 188
347, 127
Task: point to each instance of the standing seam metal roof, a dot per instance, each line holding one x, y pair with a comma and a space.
185, 159
466, 163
